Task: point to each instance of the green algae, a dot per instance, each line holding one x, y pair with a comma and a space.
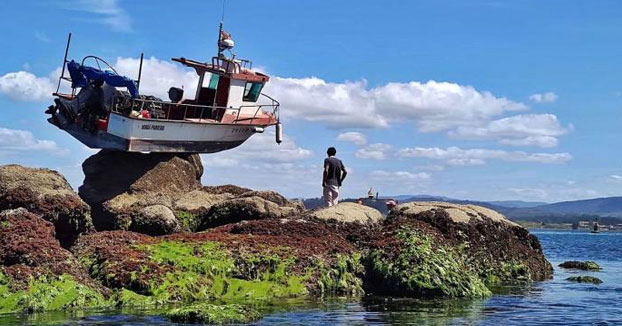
207, 271
205, 313
505, 273
343, 280
127, 298
49, 293
189, 221
424, 269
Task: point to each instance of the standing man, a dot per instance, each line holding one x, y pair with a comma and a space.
334, 173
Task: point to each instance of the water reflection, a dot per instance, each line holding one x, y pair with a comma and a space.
426, 312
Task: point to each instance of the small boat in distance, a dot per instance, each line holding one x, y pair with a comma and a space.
105, 110
595, 227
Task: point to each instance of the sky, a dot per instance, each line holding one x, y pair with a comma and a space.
470, 99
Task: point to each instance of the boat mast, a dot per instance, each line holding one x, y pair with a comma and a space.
62, 74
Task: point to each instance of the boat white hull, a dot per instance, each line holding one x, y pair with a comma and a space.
146, 135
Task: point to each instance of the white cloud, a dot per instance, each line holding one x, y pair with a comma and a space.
456, 155
346, 104
396, 176
13, 140
378, 151
548, 97
540, 130
158, 76
107, 12
616, 177
437, 106
434, 106
354, 137
260, 163
260, 149
25, 86
465, 161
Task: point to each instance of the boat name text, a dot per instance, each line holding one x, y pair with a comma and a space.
152, 127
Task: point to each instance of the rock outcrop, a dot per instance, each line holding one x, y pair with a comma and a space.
346, 212
126, 191
464, 245
256, 205
585, 279
36, 273
159, 194
254, 245
582, 265
46, 193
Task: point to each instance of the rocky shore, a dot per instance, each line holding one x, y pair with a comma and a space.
144, 232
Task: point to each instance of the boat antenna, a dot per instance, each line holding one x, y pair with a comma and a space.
222, 20
222, 17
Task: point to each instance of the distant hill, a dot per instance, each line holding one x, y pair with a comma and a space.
611, 206
517, 203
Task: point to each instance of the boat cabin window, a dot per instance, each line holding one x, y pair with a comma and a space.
212, 82
252, 91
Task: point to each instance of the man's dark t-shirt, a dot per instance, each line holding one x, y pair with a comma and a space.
335, 168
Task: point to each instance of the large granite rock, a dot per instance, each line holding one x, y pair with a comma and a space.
159, 194
253, 205
136, 191
46, 193
349, 213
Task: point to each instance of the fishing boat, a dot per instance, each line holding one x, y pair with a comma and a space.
106, 110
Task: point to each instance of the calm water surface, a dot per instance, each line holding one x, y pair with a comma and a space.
554, 302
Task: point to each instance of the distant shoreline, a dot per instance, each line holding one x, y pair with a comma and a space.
556, 226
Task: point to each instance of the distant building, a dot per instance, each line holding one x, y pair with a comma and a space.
585, 224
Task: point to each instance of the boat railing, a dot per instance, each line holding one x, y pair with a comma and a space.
162, 110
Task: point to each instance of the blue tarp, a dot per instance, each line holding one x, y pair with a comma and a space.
81, 74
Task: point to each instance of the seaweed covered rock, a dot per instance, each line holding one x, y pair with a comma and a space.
262, 259
582, 265
434, 248
413, 264
585, 279
205, 313
120, 185
48, 194
346, 212
36, 273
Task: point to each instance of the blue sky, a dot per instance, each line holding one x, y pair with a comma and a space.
486, 100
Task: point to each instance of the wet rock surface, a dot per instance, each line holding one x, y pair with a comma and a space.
582, 265
585, 279
214, 314
253, 245
48, 194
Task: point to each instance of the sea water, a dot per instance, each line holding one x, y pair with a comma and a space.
553, 302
